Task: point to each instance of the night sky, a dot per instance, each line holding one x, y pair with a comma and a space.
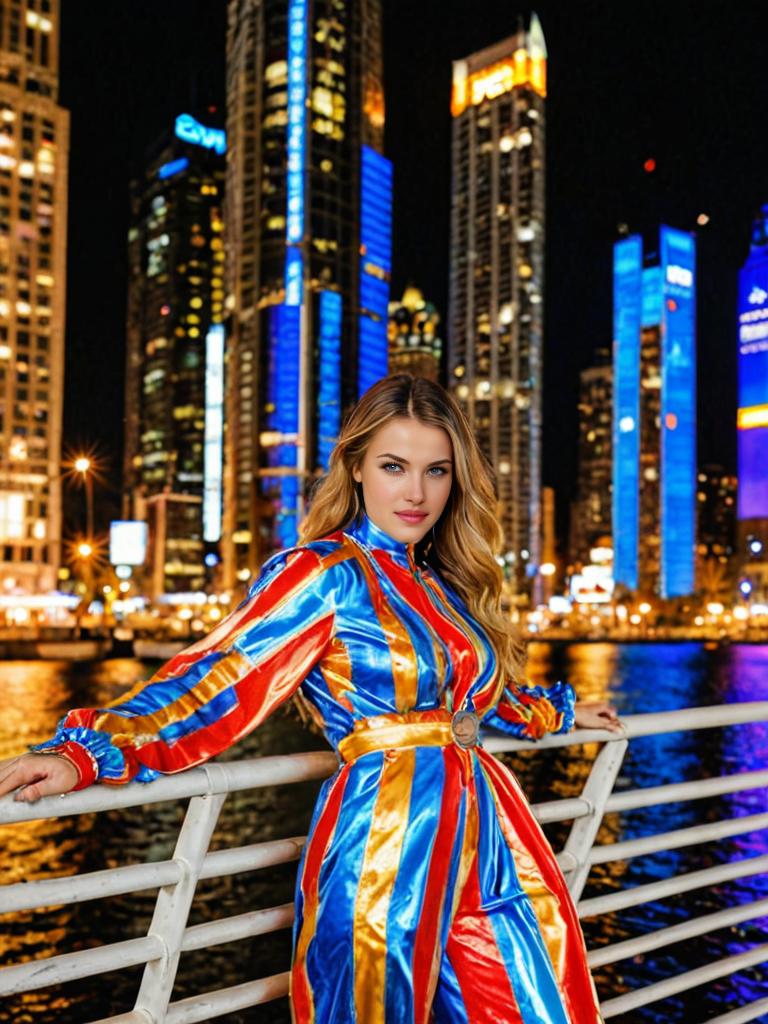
684, 83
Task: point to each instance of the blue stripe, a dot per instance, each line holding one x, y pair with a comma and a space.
408, 890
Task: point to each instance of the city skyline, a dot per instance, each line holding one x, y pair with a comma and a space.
582, 216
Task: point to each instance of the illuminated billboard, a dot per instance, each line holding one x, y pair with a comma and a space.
375, 267
678, 412
627, 314
753, 383
594, 585
214, 433
189, 129
521, 69
127, 542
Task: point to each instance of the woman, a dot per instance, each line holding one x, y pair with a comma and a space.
426, 891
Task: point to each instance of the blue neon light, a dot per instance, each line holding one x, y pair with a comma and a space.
678, 413
375, 267
297, 118
173, 167
753, 376
189, 129
329, 374
213, 447
283, 395
627, 316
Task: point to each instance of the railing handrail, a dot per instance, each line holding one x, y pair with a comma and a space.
206, 788
282, 769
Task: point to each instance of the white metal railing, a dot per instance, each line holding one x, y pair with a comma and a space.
206, 788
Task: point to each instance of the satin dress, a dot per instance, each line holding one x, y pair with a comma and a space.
426, 891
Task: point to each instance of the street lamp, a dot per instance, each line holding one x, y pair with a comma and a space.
82, 464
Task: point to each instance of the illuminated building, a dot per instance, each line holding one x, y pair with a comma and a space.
591, 512
715, 522
497, 276
753, 410
309, 236
414, 344
175, 353
654, 422
34, 153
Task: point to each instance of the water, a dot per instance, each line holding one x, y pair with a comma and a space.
636, 678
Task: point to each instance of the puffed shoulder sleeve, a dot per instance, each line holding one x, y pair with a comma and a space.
215, 692
529, 712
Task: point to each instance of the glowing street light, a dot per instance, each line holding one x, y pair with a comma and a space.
82, 464
84, 549
644, 608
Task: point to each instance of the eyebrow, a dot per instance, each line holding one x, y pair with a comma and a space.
399, 458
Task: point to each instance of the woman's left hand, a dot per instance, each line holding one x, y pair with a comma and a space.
596, 714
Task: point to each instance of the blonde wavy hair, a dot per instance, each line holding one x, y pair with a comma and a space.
467, 535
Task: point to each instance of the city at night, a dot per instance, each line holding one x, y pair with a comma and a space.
383, 512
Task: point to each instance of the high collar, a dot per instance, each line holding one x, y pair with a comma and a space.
370, 535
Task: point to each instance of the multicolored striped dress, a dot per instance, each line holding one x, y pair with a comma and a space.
426, 891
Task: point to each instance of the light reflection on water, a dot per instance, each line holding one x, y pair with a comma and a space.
636, 678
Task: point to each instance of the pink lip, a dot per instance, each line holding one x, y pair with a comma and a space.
412, 517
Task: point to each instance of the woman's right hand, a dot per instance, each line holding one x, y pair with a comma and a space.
37, 775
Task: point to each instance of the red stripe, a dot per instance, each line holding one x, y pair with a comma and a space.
279, 585
258, 693
576, 981
301, 996
462, 651
426, 944
479, 966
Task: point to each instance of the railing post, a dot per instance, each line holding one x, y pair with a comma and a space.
596, 792
169, 920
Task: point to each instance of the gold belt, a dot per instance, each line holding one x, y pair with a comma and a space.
434, 728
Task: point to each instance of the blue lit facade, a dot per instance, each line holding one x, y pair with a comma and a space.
654, 432
310, 268
375, 266
627, 310
753, 379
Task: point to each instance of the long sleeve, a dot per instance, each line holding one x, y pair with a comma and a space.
529, 712
215, 692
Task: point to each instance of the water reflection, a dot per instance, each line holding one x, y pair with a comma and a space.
636, 678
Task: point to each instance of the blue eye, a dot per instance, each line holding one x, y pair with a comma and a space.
386, 465
437, 470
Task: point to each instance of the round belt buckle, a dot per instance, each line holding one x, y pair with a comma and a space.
465, 726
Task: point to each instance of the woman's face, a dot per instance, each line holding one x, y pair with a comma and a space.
406, 475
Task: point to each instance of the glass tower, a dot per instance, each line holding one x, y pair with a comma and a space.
654, 420
175, 349
497, 276
308, 227
34, 152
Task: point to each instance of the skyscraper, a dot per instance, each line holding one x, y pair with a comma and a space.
414, 343
592, 508
309, 239
175, 351
497, 275
34, 153
753, 410
654, 421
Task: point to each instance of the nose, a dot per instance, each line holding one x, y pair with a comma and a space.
415, 491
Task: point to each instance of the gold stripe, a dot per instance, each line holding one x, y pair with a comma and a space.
374, 891
336, 669
405, 663
224, 673
394, 736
